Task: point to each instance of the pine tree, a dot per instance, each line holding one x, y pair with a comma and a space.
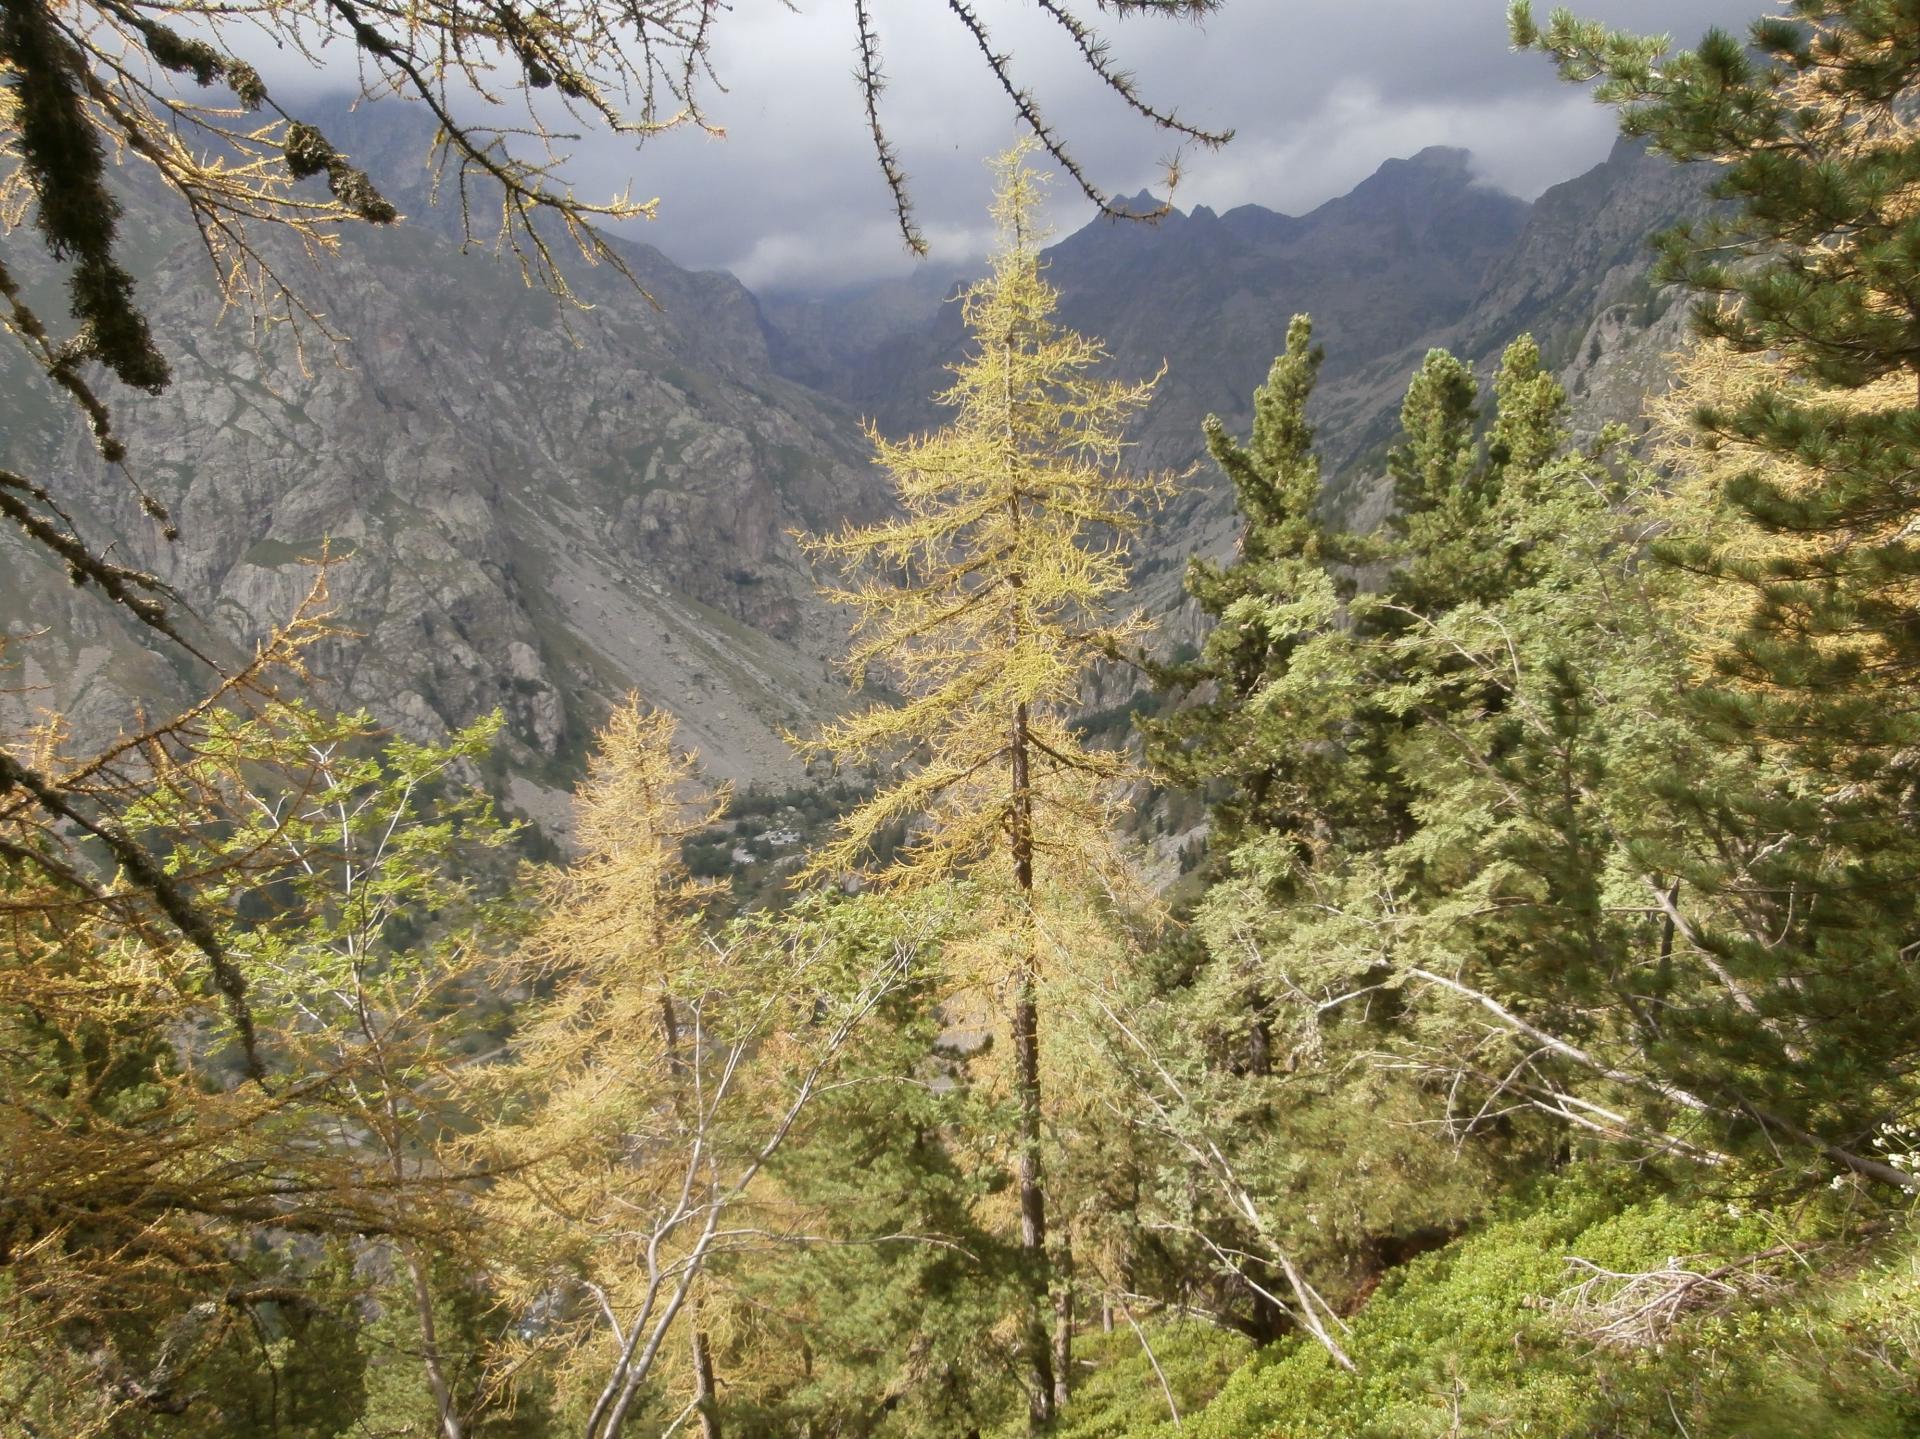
1461, 497
1812, 125
1435, 453
1278, 591
1530, 420
1323, 704
1797, 883
986, 602
1442, 491
885, 1319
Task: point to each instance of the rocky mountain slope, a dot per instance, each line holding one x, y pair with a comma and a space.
536, 508
539, 508
1418, 255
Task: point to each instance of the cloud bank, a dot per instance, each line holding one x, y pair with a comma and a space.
1320, 92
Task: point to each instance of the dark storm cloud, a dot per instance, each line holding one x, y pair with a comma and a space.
1319, 91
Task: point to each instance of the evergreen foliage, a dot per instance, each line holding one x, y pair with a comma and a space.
1277, 593
1798, 881
1581, 1310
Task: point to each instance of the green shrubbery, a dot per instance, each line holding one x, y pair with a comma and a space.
1123, 1395
1491, 1336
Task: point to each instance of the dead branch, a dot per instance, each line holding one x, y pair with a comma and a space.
1640, 1309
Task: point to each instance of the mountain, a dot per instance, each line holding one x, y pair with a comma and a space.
540, 507
1584, 247
1405, 253
1419, 254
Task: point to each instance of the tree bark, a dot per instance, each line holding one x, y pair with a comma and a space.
705, 1401
430, 1346
1062, 1277
1043, 1381
1033, 1204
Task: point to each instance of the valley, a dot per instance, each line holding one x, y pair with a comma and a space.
612, 509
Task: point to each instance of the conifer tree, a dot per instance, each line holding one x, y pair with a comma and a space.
1435, 453
1812, 123
885, 1319
1277, 591
647, 1095
1530, 420
603, 1062
1280, 716
983, 605
1342, 692
1441, 494
1449, 546
1797, 883
1453, 486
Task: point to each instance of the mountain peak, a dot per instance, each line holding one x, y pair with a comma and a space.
1444, 163
1441, 157
1440, 175
1144, 203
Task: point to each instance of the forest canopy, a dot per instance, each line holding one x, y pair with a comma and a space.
1471, 989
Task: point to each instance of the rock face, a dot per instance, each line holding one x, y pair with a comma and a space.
1583, 250
538, 508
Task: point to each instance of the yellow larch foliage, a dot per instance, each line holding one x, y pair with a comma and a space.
983, 605
593, 1152
985, 602
665, 1064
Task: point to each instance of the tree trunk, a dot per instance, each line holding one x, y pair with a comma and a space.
1062, 1268
1260, 1036
430, 1346
1043, 1382
704, 1399
1033, 1204
705, 1402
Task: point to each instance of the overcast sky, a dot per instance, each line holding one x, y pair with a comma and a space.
1319, 92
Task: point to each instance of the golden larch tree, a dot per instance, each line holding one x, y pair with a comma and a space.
983, 604
647, 1094
602, 1069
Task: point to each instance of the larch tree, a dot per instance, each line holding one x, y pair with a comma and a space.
165, 91
649, 1091
602, 1063
983, 605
